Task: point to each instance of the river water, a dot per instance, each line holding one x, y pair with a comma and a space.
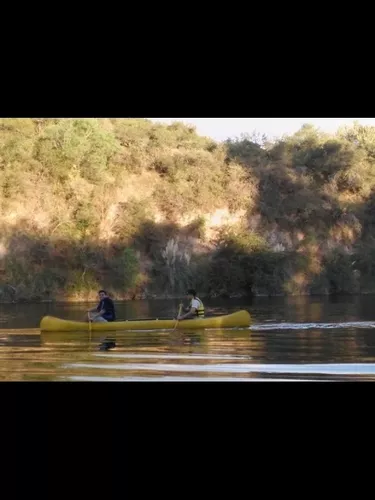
290, 339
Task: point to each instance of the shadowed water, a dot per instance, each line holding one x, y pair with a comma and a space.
290, 339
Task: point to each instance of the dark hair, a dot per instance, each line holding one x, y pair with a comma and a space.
102, 291
191, 291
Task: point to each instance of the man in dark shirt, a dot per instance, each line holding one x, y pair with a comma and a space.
105, 310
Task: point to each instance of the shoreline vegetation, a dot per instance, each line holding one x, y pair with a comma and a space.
147, 210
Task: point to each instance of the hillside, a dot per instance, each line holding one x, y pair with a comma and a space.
146, 209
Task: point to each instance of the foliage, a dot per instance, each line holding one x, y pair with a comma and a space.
138, 206
127, 269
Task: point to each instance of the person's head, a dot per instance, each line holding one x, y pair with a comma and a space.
191, 293
102, 294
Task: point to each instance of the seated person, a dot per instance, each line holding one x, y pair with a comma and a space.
196, 307
105, 310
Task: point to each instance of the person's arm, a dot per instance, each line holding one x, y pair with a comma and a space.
100, 313
189, 314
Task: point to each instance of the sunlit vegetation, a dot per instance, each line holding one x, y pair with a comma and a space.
148, 209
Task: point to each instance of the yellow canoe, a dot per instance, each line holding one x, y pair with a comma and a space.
239, 319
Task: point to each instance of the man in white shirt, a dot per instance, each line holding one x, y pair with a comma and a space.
196, 307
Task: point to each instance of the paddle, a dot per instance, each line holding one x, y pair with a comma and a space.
90, 328
179, 312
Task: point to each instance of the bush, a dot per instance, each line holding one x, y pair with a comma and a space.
127, 270
85, 202
76, 143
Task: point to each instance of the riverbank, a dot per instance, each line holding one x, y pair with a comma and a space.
146, 210
182, 298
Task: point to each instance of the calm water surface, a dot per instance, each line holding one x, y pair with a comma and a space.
290, 339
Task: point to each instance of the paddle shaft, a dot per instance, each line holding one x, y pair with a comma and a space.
88, 317
179, 312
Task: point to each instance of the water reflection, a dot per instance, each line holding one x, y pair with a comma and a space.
291, 339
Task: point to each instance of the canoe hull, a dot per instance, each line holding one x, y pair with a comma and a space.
239, 319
